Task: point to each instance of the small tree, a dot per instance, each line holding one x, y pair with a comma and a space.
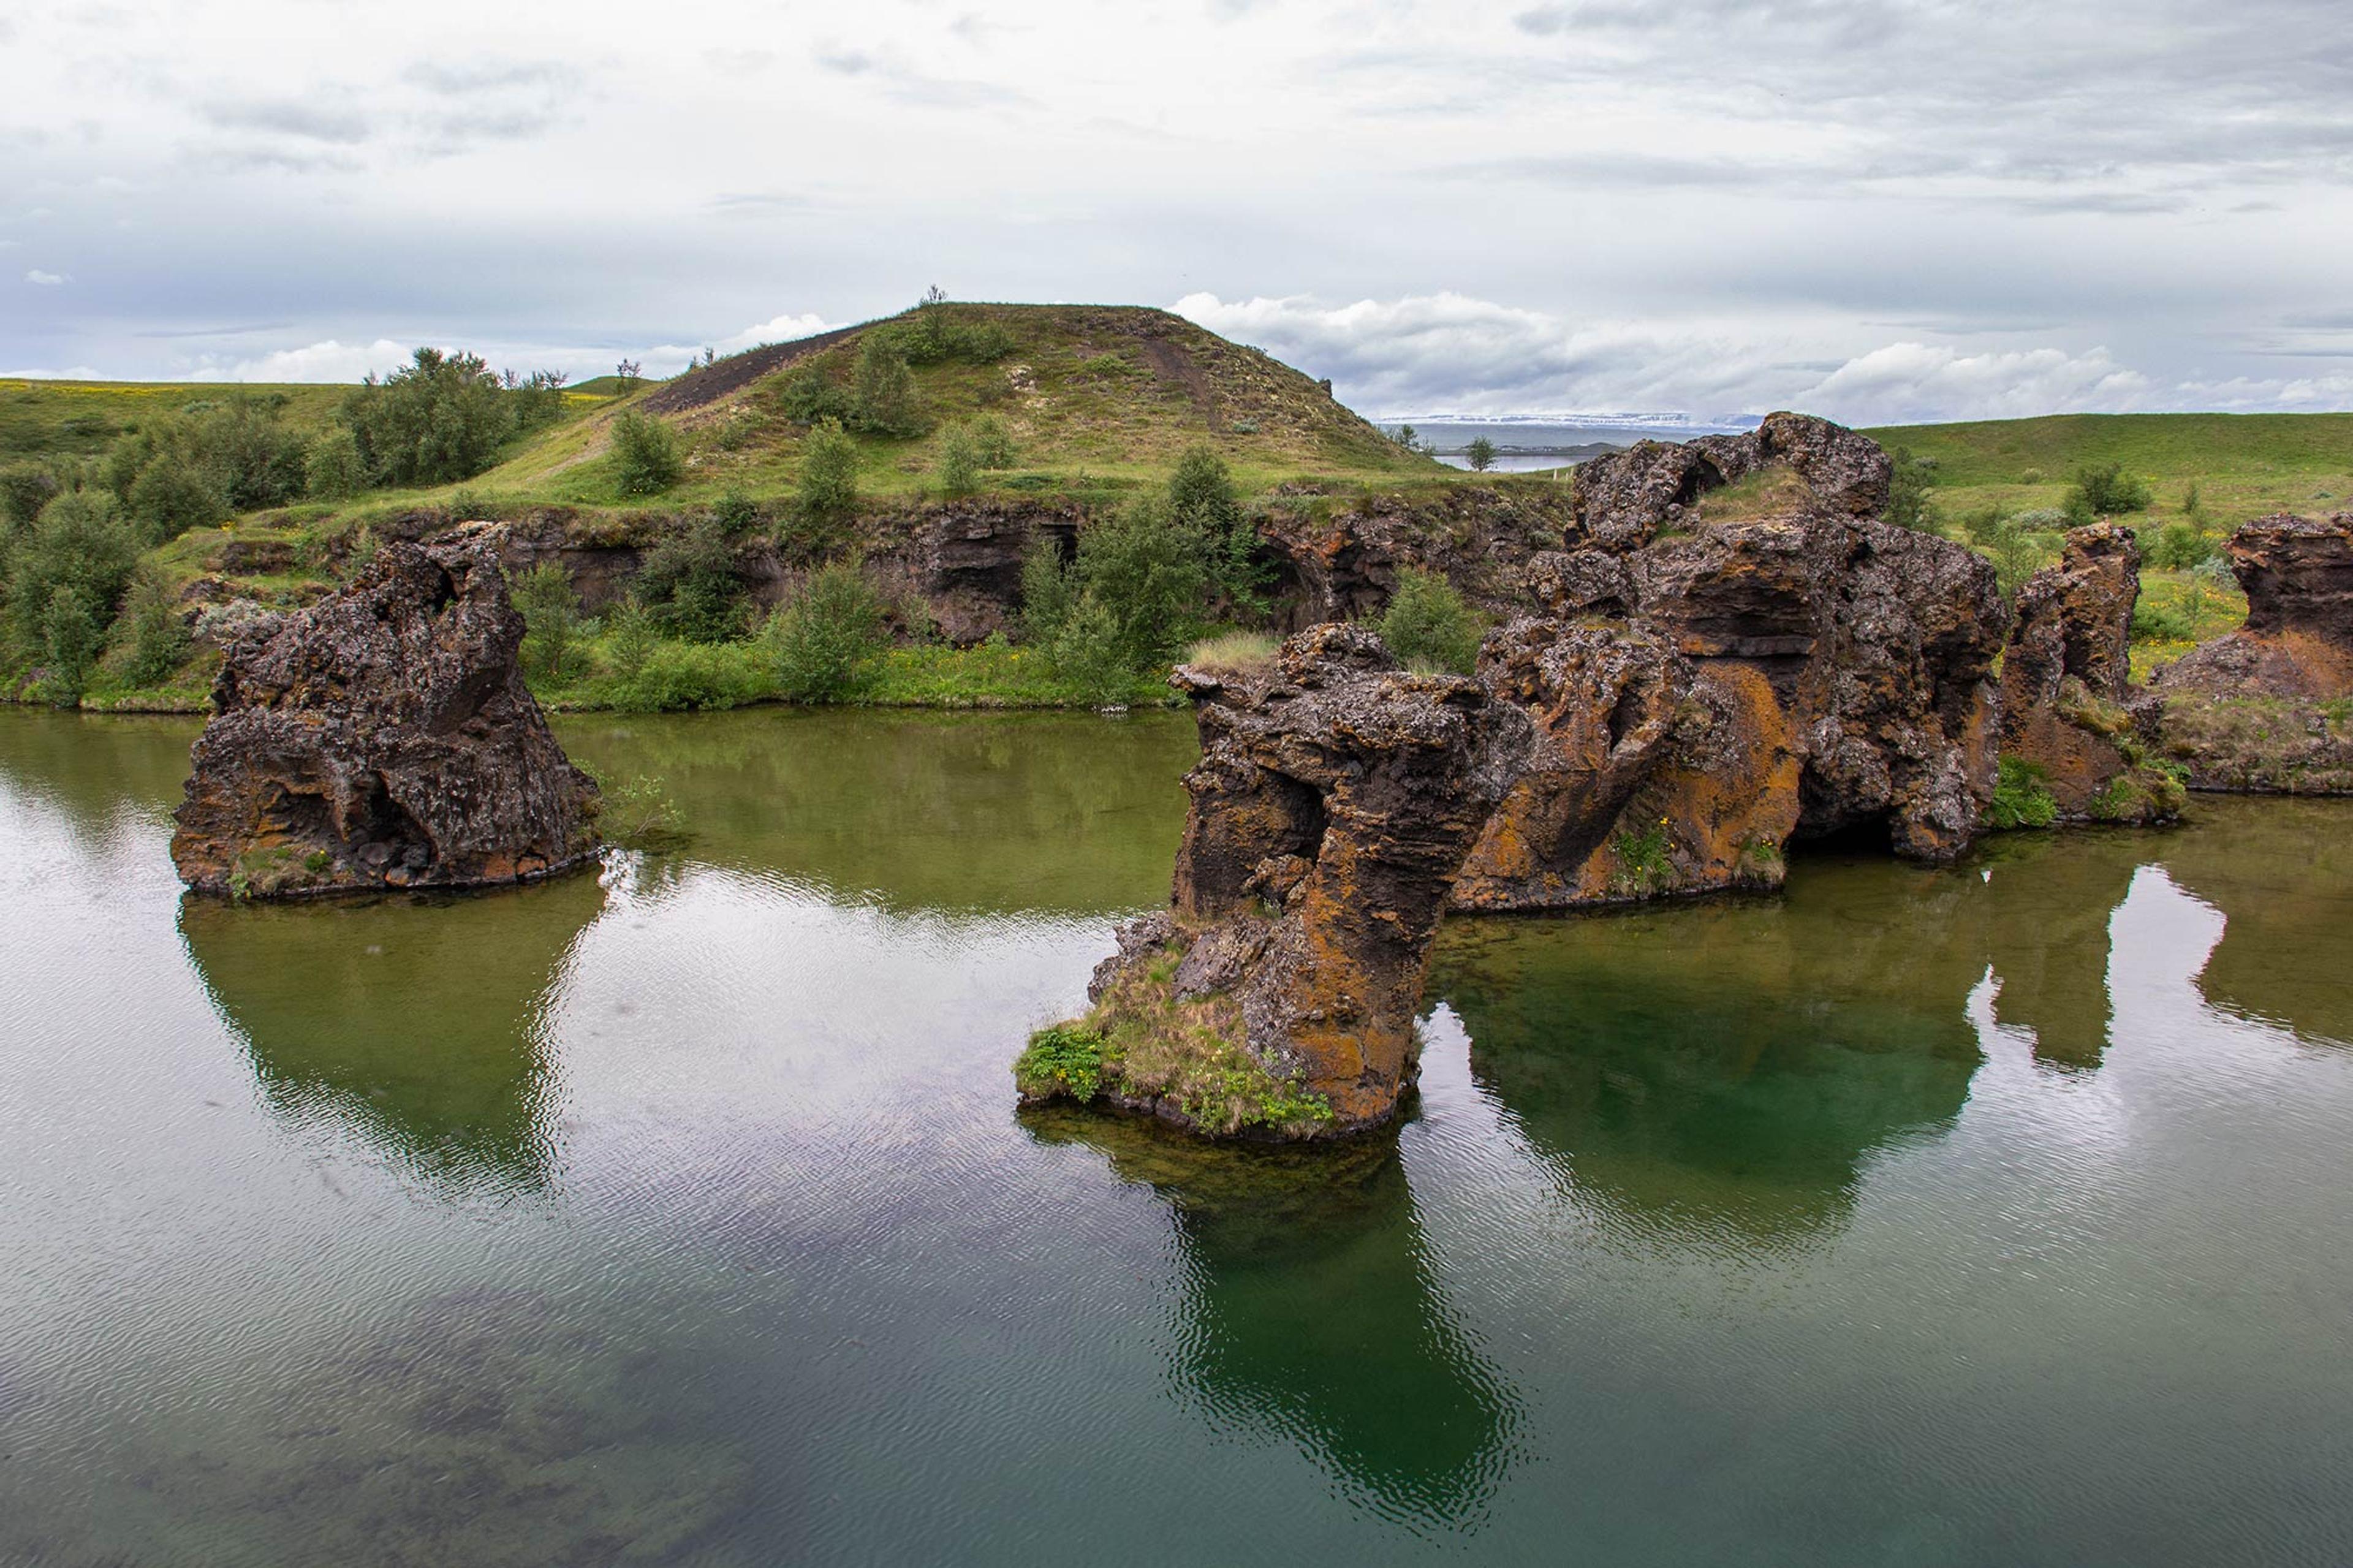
959, 467
690, 581
992, 444
828, 491
1201, 494
1146, 568
626, 371
159, 638
80, 541
737, 512
1429, 625
828, 636
550, 613
1482, 453
629, 637
69, 643
1047, 591
173, 494
882, 389
1908, 480
645, 455
332, 469
2104, 490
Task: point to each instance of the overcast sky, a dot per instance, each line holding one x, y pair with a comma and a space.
1868, 209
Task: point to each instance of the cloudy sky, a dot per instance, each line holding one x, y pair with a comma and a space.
1875, 209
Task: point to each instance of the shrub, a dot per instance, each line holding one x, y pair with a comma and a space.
959, 466
675, 677
333, 468
2180, 546
629, 637
25, 490
1201, 494
992, 444
809, 397
174, 494
550, 613
443, 418
640, 815
70, 644
80, 541
1481, 454
158, 637
1089, 651
882, 390
1908, 481
828, 636
645, 455
736, 512
2104, 490
2152, 624
2020, 799
1145, 568
1061, 1059
690, 582
1047, 593
828, 491
1429, 626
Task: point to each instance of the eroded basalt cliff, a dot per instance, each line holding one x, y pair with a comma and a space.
1708, 690
1334, 800
383, 737
2067, 684
2269, 708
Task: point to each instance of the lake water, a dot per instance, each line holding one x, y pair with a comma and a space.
683, 1215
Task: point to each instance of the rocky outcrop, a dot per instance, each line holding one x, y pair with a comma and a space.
1340, 558
382, 738
1706, 698
2066, 676
1622, 500
1335, 798
2265, 708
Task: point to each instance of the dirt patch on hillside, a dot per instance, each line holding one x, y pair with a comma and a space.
701, 387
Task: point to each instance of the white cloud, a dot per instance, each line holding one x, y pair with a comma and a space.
328, 360
1905, 381
47, 280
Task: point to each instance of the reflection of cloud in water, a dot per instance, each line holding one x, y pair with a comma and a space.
110, 779
1310, 1309
2281, 873
419, 1024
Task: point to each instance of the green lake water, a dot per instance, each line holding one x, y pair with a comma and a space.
683, 1215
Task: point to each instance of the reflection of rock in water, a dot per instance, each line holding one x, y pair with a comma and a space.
2047, 907
2281, 872
479, 1429
415, 1022
1720, 1072
1311, 1311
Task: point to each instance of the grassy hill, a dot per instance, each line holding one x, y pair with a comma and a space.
2243, 465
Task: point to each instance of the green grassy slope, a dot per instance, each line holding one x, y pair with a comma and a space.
83, 419
2243, 465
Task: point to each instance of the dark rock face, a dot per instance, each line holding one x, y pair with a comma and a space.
383, 737
2263, 709
1335, 798
2065, 678
1623, 498
1337, 561
1732, 688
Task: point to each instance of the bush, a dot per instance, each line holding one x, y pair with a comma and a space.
1908, 481
737, 513
959, 466
1481, 454
882, 390
811, 397
827, 638
640, 815
992, 444
828, 491
1047, 592
2020, 799
645, 455
939, 333
551, 613
70, 644
2104, 490
2180, 547
1429, 626
1145, 568
1062, 1059
675, 677
158, 637
1089, 651
443, 418
2152, 624
1201, 494
690, 582
629, 637
172, 495
25, 490
80, 541
333, 468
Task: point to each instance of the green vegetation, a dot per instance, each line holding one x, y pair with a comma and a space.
551, 615
639, 813
2021, 798
1481, 454
1644, 864
1429, 626
645, 455
1142, 1043
444, 417
2103, 489
827, 635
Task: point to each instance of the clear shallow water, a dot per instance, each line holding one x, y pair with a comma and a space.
683, 1215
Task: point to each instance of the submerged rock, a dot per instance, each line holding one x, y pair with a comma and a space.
2066, 682
382, 738
1334, 801
2265, 708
